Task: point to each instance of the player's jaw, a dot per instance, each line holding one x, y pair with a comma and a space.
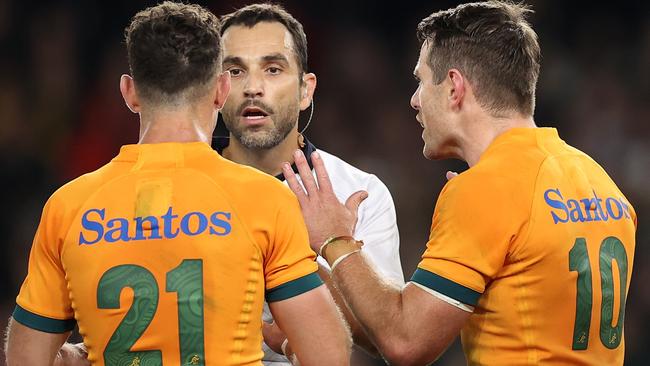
438, 131
438, 134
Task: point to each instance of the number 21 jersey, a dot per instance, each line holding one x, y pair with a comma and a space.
165, 256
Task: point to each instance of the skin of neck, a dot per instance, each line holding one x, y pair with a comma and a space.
185, 120
478, 127
481, 128
185, 123
267, 160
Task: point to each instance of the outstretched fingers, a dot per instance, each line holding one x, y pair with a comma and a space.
324, 182
293, 183
305, 174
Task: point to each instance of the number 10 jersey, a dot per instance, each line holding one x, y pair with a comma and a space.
538, 242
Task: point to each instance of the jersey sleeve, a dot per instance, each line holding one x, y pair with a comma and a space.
290, 265
471, 231
43, 302
377, 227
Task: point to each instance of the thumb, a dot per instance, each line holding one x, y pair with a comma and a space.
355, 200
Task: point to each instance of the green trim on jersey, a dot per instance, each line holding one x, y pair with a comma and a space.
44, 324
446, 287
294, 288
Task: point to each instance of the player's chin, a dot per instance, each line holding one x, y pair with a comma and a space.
430, 153
435, 154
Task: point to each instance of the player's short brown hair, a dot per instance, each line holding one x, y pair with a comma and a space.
253, 14
493, 45
173, 49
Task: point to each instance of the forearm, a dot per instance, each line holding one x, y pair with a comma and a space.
26, 346
375, 303
359, 335
408, 325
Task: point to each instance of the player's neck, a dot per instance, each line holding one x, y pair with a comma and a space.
479, 138
269, 160
182, 126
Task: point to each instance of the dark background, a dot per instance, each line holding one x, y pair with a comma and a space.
61, 113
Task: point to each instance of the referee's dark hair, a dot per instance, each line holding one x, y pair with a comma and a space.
253, 14
174, 51
493, 45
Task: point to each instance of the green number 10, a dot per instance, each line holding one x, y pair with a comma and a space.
610, 249
186, 280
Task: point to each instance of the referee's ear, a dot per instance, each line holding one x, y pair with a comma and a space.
127, 87
307, 88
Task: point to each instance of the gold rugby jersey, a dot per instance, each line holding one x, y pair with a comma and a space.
539, 240
165, 256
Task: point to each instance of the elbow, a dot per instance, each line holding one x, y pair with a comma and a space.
398, 355
405, 353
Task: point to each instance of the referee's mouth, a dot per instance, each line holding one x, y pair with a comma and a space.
254, 116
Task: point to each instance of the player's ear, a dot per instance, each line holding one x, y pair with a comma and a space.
307, 88
222, 90
457, 88
127, 88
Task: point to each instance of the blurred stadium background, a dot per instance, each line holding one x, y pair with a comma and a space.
62, 114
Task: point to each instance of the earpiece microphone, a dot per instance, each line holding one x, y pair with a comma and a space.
311, 114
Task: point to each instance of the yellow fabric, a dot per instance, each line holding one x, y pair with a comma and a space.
254, 239
494, 231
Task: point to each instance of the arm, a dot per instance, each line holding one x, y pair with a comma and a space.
391, 345
314, 328
43, 318
409, 325
377, 227
274, 337
359, 335
27, 346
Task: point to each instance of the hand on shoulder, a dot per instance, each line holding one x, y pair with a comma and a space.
324, 215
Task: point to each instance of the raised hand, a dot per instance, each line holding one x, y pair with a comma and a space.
324, 215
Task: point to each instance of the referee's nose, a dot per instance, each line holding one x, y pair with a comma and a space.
254, 87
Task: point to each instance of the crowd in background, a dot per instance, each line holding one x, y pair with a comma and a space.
62, 115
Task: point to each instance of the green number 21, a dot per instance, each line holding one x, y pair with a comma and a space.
611, 248
186, 280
